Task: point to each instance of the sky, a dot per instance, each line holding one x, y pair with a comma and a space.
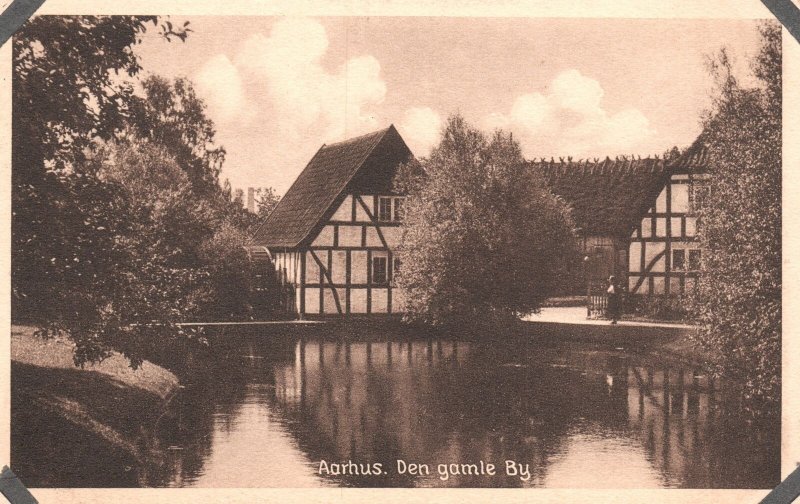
278, 88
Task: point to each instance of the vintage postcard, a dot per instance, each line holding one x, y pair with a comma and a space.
264, 253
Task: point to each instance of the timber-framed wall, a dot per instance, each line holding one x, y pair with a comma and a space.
349, 266
334, 233
664, 251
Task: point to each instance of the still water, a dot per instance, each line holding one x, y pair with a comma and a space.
563, 415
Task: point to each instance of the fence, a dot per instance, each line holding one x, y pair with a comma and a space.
597, 300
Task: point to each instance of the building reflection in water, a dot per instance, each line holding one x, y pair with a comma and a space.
575, 417
567, 414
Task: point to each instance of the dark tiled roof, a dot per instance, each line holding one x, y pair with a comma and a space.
607, 197
315, 190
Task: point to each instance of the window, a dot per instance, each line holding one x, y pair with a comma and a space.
678, 259
694, 259
384, 209
397, 264
379, 269
391, 208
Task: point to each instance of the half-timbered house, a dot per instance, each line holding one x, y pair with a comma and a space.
607, 198
332, 234
664, 252
635, 218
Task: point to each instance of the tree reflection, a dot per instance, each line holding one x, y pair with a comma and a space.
554, 408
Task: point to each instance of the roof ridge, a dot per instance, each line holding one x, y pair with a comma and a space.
379, 136
606, 166
359, 138
695, 154
323, 181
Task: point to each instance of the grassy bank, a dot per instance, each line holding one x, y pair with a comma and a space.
62, 414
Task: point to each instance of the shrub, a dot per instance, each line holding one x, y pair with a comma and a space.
228, 284
669, 308
483, 237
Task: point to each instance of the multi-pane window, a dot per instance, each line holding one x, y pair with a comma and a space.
686, 259
384, 209
678, 259
391, 208
694, 259
380, 269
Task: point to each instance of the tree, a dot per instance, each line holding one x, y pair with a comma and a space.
483, 237
171, 114
739, 299
70, 87
229, 281
266, 201
128, 283
115, 196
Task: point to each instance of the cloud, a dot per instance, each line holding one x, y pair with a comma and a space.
570, 121
278, 98
218, 82
421, 128
572, 91
301, 92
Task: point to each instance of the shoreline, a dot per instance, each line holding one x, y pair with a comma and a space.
108, 408
75, 414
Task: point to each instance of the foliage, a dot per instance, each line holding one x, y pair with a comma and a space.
739, 300
671, 308
266, 201
117, 207
163, 197
171, 114
229, 275
69, 89
129, 281
483, 237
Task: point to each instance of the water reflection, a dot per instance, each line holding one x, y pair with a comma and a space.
572, 416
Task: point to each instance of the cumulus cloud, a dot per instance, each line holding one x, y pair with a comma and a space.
420, 128
277, 99
570, 120
302, 92
218, 82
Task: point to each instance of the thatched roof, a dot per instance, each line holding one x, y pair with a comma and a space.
608, 197
694, 159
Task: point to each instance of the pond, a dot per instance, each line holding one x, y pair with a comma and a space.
310, 411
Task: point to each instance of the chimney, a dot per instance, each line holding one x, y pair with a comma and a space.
251, 199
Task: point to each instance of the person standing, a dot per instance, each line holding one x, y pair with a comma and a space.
613, 299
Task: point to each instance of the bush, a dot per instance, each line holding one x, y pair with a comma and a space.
483, 237
228, 288
667, 308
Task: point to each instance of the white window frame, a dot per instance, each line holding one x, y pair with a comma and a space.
392, 202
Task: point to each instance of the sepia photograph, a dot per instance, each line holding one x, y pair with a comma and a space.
401, 251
